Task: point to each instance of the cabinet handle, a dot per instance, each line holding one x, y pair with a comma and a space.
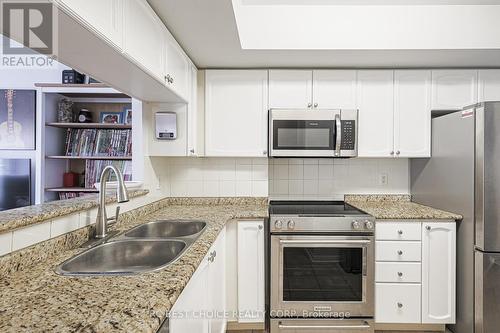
309, 105
398, 152
264, 152
400, 232
400, 274
392, 153
315, 105
400, 252
428, 227
260, 227
191, 151
400, 305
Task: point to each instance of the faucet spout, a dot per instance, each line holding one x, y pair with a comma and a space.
121, 196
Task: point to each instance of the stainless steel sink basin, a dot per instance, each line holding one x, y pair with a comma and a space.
167, 229
123, 257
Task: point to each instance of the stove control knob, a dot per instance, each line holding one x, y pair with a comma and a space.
291, 224
369, 225
278, 224
356, 225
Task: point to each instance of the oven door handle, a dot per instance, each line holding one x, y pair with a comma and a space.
325, 241
324, 327
338, 134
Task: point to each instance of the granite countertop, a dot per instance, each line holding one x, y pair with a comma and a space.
24, 216
397, 207
38, 300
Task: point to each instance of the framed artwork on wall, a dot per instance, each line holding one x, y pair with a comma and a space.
17, 119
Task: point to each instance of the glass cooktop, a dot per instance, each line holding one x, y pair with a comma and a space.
313, 208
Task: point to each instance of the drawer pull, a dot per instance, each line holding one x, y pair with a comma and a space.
400, 274
400, 232
428, 227
400, 305
400, 252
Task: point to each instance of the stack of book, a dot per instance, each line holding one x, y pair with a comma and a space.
99, 142
70, 195
93, 170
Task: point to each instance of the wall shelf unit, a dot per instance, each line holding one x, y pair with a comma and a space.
81, 148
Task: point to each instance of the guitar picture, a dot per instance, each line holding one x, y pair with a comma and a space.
10, 130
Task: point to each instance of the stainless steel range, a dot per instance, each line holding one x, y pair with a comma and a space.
321, 269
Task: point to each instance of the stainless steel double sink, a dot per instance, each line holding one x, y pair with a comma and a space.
146, 248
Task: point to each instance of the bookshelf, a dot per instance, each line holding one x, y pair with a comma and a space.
89, 143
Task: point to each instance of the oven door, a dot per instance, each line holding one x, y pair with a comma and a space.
330, 276
304, 133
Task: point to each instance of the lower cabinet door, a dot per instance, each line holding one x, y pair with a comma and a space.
185, 314
398, 303
251, 271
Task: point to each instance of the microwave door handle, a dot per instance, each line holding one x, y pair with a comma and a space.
338, 134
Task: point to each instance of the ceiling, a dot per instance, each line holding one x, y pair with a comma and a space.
207, 31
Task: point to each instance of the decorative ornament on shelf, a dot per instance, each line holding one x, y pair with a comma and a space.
65, 111
84, 116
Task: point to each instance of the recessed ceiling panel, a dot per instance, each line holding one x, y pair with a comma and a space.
367, 27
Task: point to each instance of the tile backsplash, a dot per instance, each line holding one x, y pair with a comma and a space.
323, 178
211, 177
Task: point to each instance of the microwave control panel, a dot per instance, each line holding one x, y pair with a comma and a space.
348, 135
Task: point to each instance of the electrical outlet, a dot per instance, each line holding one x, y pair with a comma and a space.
383, 179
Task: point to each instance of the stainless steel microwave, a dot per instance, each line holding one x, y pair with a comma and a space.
313, 133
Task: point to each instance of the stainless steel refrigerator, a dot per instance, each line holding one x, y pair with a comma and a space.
463, 176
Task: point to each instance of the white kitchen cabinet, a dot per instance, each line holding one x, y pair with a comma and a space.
397, 303
412, 113
177, 67
334, 89
375, 95
438, 272
104, 18
291, 89
204, 295
251, 271
144, 38
236, 113
193, 299
195, 116
489, 85
453, 89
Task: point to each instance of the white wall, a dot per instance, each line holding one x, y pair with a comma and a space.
332, 178
207, 177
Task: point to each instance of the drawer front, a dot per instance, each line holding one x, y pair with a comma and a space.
398, 272
397, 303
410, 231
398, 251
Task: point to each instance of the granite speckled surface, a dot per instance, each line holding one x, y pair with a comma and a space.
397, 207
22, 217
35, 299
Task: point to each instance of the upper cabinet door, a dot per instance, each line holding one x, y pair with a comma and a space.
453, 89
177, 67
236, 113
412, 113
104, 18
375, 96
144, 37
334, 89
438, 273
489, 85
290, 89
